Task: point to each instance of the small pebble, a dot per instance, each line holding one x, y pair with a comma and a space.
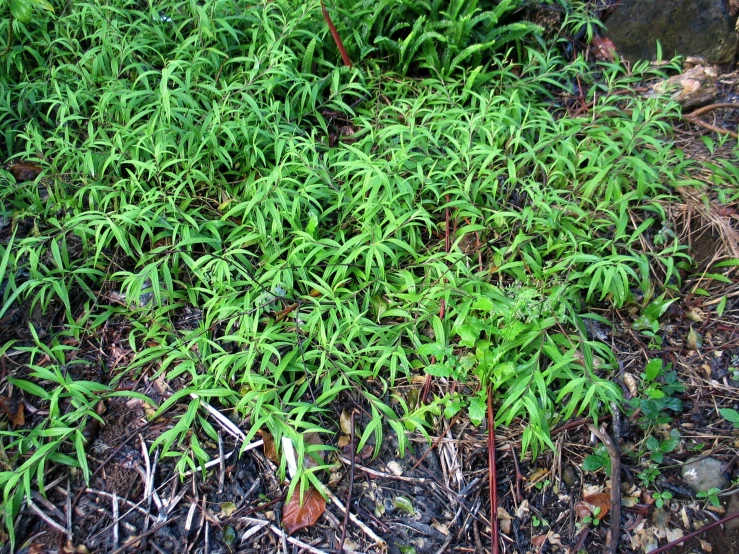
569, 476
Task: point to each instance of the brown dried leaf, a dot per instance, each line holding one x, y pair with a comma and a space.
539, 540
25, 171
296, 517
582, 510
312, 459
631, 384
270, 452
345, 422
13, 409
600, 500
604, 48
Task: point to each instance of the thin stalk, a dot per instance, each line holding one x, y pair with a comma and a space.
492, 478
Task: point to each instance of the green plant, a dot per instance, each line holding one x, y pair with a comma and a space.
711, 496
599, 459
588, 520
658, 386
648, 322
271, 231
442, 36
649, 475
658, 448
661, 497
539, 522
730, 415
23, 10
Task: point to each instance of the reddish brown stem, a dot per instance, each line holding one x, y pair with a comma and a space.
492, 478
351, 486
335, 34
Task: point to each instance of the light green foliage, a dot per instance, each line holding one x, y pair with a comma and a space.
188, 163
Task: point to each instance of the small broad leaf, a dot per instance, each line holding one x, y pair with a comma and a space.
652, 443
729, 415
592, 462
296, 516
439, 370
477, 410
653, 369
672, 443
22, 10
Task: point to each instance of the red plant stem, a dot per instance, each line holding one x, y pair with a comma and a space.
335, 34
492, 478
689, 536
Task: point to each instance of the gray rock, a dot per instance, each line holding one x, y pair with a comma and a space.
702, 474
686, 27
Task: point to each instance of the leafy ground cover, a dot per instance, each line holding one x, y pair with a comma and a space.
214, 234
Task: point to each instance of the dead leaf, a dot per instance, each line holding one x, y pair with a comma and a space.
706, 546
296, 517
631, 385
345, 422
604, 49
600, 500
694, 341
537, 475
343, 441
504, 519
227, 508
696, 315
720, 510
313, 458
25, 171
13, 409
582, 510
523, 509
539, 540
270, 451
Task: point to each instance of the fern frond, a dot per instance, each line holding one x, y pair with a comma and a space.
307, 65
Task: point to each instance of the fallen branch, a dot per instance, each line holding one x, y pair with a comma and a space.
710, 127
615, 484
710, 108
493, 480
